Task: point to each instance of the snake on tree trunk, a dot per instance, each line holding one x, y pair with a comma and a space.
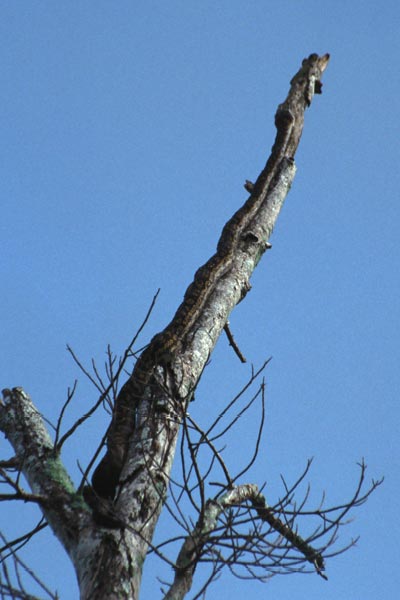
167, 344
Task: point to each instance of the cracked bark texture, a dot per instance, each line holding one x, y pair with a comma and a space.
108, 561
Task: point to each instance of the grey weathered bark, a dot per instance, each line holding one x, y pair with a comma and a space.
109, 560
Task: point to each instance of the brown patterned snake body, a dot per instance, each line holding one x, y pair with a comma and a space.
165, 345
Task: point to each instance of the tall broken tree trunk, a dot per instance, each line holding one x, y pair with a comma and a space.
108, 536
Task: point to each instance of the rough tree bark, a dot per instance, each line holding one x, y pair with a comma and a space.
108, 536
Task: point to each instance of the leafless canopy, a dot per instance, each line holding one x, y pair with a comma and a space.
217, 519
235, 528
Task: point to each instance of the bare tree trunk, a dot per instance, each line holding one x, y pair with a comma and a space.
108, 540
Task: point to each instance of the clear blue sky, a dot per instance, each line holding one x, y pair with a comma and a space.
128, 129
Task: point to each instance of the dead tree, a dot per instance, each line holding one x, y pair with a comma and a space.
107, 526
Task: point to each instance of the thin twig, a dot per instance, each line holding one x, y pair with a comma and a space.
232, 342
104, 392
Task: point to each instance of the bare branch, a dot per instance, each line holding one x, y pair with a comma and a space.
10, 589
70, 395
50, 483
227, 408
232, 343
21, 540
104, 391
